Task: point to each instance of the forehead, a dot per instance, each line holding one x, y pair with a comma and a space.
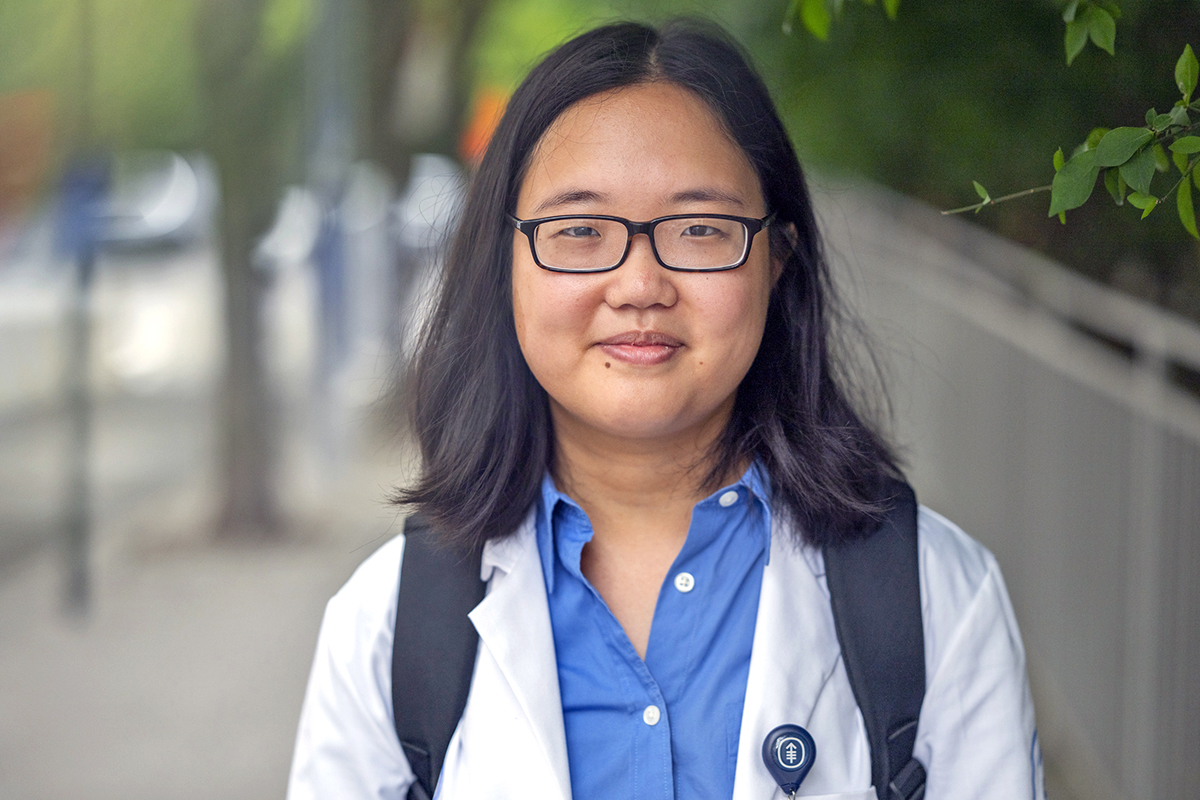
644, 145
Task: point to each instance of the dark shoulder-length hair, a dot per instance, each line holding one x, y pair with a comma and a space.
481, 419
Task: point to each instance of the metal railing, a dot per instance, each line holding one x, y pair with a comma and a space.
1038, 410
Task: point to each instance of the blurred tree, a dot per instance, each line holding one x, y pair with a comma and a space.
418, 78
227, 76
250, 83
129, 66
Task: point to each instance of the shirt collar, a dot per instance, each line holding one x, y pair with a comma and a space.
754, 480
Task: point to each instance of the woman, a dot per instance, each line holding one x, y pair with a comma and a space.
627, 397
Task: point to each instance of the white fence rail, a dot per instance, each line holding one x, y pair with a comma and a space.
1037, 410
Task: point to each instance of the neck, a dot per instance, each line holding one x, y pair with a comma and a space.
629, 486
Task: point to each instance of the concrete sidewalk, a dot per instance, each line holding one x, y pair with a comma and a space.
185, 680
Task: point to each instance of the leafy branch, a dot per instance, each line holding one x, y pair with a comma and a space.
1129, 157
1088, 19
988, 200
1085, 19
817, 15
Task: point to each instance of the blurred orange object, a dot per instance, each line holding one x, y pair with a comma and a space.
488, 108
25, 131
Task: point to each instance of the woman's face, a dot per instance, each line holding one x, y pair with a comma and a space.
640, 352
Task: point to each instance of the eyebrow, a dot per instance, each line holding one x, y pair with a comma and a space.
707, 195
569, 197
698, 195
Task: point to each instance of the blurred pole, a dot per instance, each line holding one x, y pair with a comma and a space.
84, 187
79, 413
333, 84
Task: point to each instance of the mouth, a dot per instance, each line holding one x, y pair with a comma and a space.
641, 348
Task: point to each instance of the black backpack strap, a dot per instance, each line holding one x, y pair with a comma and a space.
433, 653
874, 583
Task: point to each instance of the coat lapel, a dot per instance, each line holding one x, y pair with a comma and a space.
795, 654
513, 622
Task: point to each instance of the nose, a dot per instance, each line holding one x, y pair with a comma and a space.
641, 282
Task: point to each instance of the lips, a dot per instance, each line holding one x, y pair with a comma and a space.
641, 348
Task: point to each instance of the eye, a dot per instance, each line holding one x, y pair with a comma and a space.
579, 232
567, 230
700, 231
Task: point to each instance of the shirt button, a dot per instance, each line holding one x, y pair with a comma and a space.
728, 499
684, 582
651, 715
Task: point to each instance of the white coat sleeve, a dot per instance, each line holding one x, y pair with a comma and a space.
976, 733
346, 746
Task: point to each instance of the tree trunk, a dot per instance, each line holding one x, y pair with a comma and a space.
394, 27
247, 95
248, 436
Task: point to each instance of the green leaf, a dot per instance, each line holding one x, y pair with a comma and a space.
1062, 217
1073, 184
1161, 162
1186, 71
1145, 202
982, 192
1119, 145
1186, 145
1139, 200
1187, 212
1094, 137
1076, 38
1196, 177
790, 16
1181, 162
1160, 122
1179, 115
815, 16
1138, 170
1059, 159
1102, 28
1116, 186
1069, 11
891, 7
1150, 115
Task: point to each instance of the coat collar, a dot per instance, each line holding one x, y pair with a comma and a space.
513, 622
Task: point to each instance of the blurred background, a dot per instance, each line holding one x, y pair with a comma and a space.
219, 221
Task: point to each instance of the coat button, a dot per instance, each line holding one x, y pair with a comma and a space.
728, 499
651, 715
684, 582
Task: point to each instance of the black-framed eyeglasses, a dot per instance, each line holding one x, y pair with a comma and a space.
681, 242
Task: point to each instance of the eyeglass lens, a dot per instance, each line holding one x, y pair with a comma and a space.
691, 243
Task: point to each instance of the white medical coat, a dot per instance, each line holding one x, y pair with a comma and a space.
976, 731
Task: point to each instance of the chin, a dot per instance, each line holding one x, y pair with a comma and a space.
647, 420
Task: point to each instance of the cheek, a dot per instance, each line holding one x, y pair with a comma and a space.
734, 314
551, 316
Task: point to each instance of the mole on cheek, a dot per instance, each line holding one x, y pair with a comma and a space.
607, 365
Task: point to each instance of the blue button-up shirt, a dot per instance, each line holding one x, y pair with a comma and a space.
666, 727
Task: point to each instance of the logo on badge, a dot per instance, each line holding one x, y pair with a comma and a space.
789, 752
